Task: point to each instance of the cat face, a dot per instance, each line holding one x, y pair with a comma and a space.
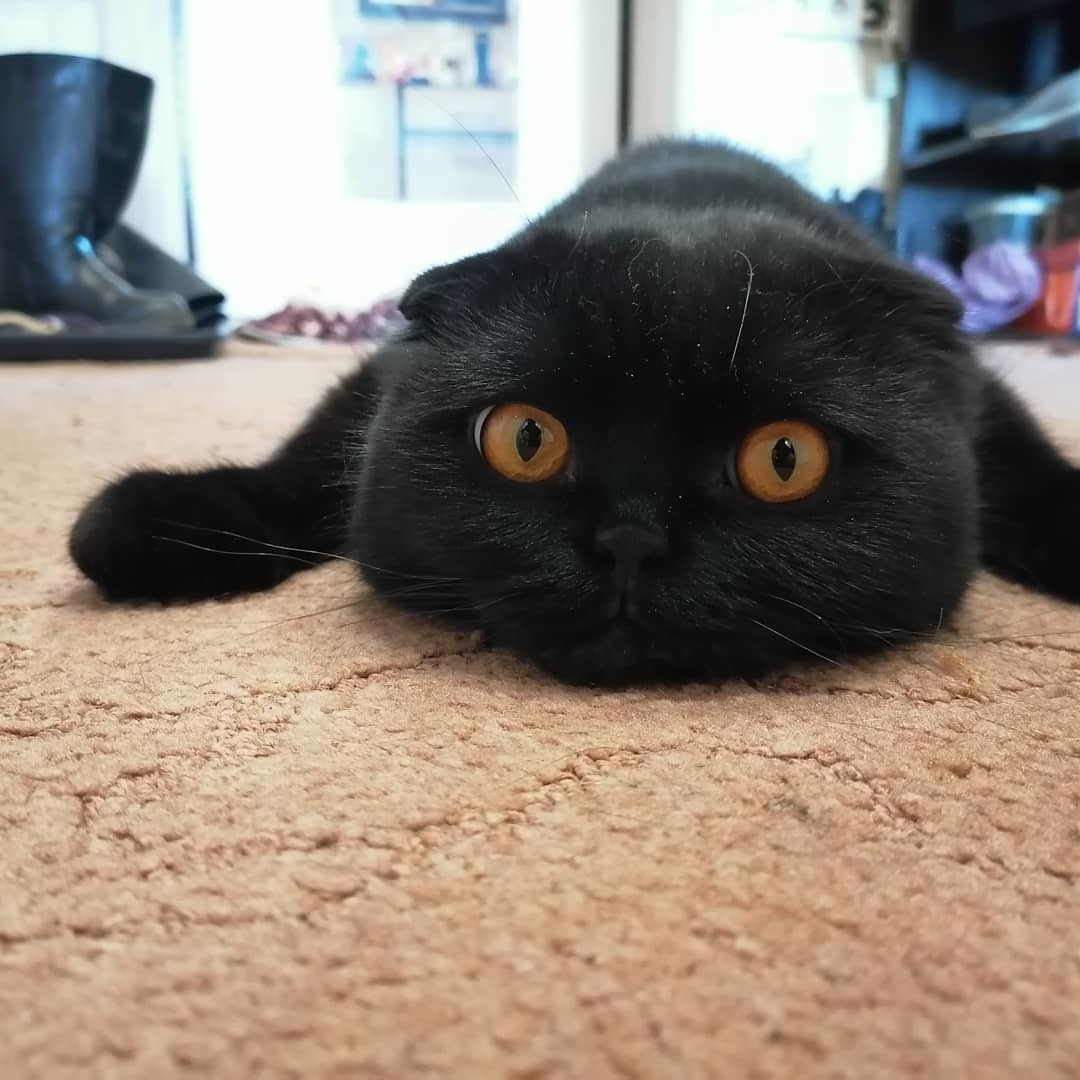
626, 459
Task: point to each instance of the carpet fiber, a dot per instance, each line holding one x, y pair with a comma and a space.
298, 835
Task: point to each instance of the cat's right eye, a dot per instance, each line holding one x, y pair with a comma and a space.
522, 443
782, 462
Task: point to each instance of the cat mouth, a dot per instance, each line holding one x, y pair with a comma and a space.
615, 652
621, 643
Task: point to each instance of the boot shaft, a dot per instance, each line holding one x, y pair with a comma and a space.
72, 134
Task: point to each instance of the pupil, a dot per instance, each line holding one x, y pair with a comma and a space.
529, 438
784, 459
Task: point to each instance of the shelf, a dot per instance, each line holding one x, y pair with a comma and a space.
1000, 161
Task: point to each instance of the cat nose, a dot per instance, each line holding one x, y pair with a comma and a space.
631, 546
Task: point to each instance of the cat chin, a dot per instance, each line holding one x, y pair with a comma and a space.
611, 657
623, 654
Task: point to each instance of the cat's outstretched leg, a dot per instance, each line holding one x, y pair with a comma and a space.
190, 535
1029, 517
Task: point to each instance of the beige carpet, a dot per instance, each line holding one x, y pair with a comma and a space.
268, 839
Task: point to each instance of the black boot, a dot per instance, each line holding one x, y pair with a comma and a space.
72, 134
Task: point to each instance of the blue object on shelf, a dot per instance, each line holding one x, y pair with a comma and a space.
484, 12
360, 68
483, 59
1015, 218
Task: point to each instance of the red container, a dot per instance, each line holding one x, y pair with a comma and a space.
1055, 310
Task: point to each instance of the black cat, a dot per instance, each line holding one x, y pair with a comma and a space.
691, 422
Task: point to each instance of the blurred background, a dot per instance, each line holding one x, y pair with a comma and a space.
316, 154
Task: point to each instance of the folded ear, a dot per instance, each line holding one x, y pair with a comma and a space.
929, 296
444, 290
872, 275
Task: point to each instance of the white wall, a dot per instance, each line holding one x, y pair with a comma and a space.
140, 34
49, 26
771, 75
136, 34
273, 219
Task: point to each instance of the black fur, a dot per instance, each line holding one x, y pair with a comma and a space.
683, 295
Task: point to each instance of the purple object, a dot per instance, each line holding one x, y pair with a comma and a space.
996, 284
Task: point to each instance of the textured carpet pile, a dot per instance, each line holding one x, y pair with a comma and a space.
299, 835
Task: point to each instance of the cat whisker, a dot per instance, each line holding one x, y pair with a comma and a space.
254, 540
223, 551
498, 600
435, 613
1009, 633
483, 149
426, 587
580, 237
305, 615
797, 644
836, 273
746, 307
296, 550
820, 618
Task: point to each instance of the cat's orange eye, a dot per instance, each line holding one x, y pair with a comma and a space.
522, 443
782, 462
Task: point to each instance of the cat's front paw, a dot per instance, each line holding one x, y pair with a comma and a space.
173, 536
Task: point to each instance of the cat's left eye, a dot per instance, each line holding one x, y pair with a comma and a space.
521, 442
783, 461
